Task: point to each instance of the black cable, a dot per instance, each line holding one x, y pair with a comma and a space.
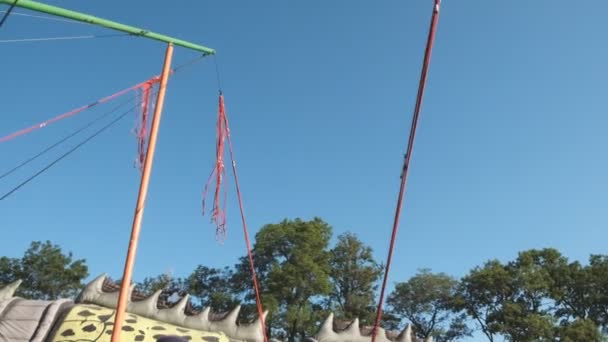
217, 73
82, 143
91, 123
72, 150
188, 63
8, 12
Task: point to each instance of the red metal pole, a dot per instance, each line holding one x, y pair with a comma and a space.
408, 156
141, 199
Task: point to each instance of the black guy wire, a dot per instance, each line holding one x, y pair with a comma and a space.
82, 143
217, 73
72, 150
64, 139
8, 12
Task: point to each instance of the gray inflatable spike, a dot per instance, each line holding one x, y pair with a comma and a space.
406, 334
252, 331
174, 315
353, 329
93, 293
8, 291
228, 324
146, 307
199, 321
327, 333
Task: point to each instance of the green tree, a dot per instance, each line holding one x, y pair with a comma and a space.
540, 296
528, 314
426, 301
292, 263
579, 330
354, 276
47, 272
212, 287
172, 288
597, 276
482, 293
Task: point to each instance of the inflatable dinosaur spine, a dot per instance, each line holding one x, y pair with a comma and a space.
93, 293
91, 318
353, 333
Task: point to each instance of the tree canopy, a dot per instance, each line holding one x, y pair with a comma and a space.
46, 271
538, 296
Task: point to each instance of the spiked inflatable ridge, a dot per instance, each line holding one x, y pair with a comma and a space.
96, 303
352, 333
8, 291
149, 308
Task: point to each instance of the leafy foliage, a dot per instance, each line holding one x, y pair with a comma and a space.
171, 288
47, 272
292, 263
213, 287
354, 275
425, 300
539, 296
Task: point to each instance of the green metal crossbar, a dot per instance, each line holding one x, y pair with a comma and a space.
86, 18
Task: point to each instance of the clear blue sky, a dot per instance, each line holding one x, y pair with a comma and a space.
511, 151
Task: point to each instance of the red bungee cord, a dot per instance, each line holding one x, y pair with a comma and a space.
75, 111
408, 155
218, 212
141, 130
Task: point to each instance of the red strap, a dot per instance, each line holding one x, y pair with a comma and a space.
141, 131
254, 277
410, 147
72, 112
218, 215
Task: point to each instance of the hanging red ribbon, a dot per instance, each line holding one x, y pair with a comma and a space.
218, 213
141, 130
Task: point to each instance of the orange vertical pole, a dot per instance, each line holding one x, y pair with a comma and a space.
141, 199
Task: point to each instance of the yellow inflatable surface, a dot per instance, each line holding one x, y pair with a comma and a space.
95, 323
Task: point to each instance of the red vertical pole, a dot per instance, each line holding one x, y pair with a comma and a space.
141, 199
408, 156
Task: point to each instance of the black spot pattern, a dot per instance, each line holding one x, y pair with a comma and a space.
89, 328
109, 332
104, 318
68, 332
141, 332
128, 328
86, 313
182, 330
140, 337
158, 336
211, 339
131, 321
158, 327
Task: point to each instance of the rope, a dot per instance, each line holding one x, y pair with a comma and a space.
72, 150
218, 213
7, 13
72, 112
217, 72
59, 142
175, 70
246, 231
408, 155
45, 39
45, 17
